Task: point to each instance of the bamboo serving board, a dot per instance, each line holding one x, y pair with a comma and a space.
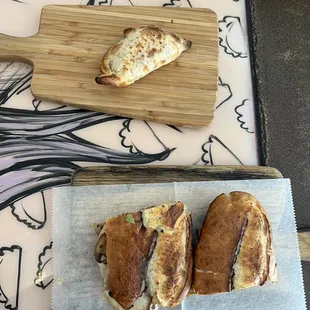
67, 52
105, 175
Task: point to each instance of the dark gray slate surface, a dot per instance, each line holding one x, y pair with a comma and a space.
281, 49
280, 38
306, 272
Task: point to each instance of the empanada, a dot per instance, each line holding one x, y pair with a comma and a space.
143, 50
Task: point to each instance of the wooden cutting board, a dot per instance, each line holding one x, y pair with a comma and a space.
105, 175
67, 52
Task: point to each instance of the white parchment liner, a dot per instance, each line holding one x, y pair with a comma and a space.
78, 284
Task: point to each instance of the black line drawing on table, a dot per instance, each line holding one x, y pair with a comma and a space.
39, 105
177, 3
40, 150
44, 274
224, 93
19, 1
130, 135
215, 146
23, 210
36, 103
231, 37
243, 109
131, 146
175, 128
10, 271
14, 78
104, 2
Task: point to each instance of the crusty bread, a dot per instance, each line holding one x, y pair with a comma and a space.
235, 246
146, 257
143, 50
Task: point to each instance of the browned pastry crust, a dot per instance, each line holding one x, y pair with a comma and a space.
128, 248
168, 268
149, 257
142, 51
235, 246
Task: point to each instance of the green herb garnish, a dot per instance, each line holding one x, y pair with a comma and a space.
129, 218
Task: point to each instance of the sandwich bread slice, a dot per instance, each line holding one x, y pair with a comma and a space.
235, 246
145, 257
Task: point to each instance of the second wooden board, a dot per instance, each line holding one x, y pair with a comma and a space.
68, 49
106, 175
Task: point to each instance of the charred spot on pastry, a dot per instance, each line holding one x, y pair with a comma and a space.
176, 37
128, 31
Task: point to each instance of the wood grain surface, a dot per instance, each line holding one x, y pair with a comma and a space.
159, 174
68, 49
304, 245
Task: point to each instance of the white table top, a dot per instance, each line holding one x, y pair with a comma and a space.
41, 144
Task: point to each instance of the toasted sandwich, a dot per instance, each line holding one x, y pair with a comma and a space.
235, 246
145, 257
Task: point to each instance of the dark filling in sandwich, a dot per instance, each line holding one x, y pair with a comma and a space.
172, 215
100, 250
236, 252
268, 250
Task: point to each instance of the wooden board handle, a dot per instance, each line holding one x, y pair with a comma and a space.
17, 49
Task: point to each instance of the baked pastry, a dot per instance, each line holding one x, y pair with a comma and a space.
143, 50
145, 257
235, 246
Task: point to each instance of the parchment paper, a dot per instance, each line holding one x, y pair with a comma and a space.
78, 284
